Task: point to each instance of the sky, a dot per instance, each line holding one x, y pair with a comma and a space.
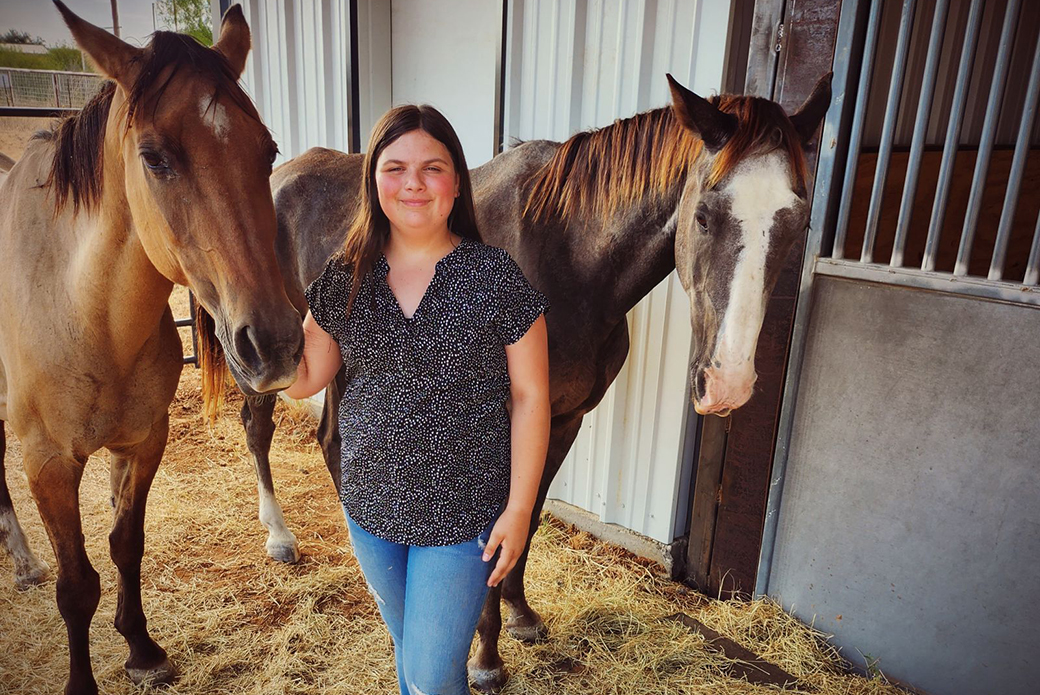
41, 18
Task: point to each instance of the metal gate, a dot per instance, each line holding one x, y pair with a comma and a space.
925, 230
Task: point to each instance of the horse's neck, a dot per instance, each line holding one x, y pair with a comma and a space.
636, 250
613, 261
111, 275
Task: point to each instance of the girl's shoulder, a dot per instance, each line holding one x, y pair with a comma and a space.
488, 258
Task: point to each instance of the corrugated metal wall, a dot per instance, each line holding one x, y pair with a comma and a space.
298, 72
577, 65
569, 66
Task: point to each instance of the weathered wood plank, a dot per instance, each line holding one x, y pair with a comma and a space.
746, 664
705, 502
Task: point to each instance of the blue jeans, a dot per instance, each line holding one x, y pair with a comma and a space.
430, 599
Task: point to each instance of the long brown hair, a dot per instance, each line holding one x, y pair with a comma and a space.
370, 229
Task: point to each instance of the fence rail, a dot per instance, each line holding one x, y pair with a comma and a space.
21, 88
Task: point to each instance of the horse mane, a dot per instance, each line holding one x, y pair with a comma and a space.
76, 169
212, 364
601, 171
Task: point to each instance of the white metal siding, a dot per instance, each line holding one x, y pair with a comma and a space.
444, 54
577, 65
569, 66
298, 72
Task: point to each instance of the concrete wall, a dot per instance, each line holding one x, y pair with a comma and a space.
910, 521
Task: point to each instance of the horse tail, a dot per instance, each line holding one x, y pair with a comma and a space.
211, 362
6, 163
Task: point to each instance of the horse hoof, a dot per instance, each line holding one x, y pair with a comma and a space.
527, 633
33, 577
163, 674
288, 552
487, 680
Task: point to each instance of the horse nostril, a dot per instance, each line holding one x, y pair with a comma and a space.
700, 383
245, 346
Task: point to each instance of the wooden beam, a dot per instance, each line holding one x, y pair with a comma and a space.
746, 664
705, 503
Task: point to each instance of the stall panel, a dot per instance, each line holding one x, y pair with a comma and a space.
908, 527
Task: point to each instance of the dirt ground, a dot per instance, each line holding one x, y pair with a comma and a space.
234, 621
15, 133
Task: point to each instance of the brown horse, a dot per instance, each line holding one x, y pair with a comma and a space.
161, 179
715, 189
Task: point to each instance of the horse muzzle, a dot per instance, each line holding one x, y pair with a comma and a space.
264, 354
719, 391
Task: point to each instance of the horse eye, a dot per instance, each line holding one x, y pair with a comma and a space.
155, 162
702, 221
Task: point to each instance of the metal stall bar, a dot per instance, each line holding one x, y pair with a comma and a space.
989, 132
856, 136
888, 128
1018, 166
193, 358
827, 179
1033, 267
924, 108
953, 129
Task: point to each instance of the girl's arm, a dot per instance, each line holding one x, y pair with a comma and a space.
320, 362
528, 363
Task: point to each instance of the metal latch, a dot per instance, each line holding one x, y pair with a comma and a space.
779, 37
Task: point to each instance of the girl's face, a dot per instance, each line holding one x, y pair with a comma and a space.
417, 183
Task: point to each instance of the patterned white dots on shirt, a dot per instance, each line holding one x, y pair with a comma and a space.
423, 420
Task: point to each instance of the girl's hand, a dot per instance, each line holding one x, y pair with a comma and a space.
510, 536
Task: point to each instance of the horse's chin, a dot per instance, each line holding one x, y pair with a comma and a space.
240, 380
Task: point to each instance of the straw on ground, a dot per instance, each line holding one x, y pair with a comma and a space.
236, 622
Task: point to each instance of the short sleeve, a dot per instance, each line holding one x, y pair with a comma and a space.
519, 303
327, 297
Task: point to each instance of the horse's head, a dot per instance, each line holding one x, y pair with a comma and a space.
743, 206
195, 159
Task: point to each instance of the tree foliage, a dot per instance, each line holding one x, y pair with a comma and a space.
191, 17
20, 37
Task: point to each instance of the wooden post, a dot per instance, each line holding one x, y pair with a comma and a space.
115, 17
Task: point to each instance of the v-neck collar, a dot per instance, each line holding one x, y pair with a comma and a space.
384, 267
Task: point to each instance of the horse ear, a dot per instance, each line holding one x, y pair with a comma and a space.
810, 114
234, 42
714, 127
114, 57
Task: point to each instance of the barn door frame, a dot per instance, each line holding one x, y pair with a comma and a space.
791, 46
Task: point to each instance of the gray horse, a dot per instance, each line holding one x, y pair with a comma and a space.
715, 189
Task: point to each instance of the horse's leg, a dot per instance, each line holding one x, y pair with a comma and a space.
147, 662
28, 569
54, 481
524, 623
259, 424
486, 670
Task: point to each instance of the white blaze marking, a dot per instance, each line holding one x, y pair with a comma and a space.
758, 190
215, 116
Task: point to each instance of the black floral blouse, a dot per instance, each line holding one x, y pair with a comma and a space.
426, 438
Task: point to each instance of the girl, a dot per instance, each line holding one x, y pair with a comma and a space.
445, 416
